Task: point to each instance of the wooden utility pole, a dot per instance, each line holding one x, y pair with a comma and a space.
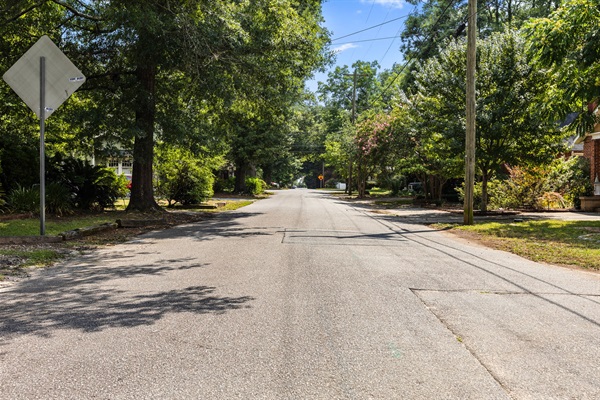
353, 122
471, 103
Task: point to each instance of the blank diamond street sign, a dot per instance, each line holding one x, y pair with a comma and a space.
62, 77
44, 78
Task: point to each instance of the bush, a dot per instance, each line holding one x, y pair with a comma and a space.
524, 188
331, 183
25, 200
255, 186
58, 199
558, 185
571, 178
395, 184
184, 181
477, 190
92, 187
224, 185
3, 202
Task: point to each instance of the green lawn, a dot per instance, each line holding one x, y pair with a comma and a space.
31, 255
54, 226
572, 243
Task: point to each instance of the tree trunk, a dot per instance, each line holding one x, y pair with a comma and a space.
361, 178
349, 187
142, 190
484, 193
268, 175
241, 169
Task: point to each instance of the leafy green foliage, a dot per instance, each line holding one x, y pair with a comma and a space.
374, 141
182, 178
429, 27
92, 187
224, 185
169, 72
523, 189
566, 42
255, 186
24, 200
59, 199
557, 185
512, 123
571, 178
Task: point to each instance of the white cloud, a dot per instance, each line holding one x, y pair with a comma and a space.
391, 3
344, 47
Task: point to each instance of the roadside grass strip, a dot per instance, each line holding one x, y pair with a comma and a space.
569, 243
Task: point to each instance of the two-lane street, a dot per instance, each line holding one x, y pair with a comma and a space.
301, 296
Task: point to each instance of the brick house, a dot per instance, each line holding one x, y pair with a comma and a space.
591, 151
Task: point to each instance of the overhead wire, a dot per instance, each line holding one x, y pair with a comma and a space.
378, 31
370, 10
371, 27
365, 40
429, 40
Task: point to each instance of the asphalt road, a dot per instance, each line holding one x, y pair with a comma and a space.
301, 296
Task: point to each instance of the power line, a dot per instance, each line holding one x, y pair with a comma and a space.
369, 28
391, 44
371, 9
378, 31
364, 40
431, 35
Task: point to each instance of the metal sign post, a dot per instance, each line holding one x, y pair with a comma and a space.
42, 146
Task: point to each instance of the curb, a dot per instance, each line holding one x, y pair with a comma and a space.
79, 232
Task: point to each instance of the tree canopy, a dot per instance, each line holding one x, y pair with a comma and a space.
169, 67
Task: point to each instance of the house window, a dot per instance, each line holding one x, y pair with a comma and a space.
113, 163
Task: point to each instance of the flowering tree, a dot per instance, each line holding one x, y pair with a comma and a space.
374, 143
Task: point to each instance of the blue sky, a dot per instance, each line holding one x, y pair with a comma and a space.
345, 17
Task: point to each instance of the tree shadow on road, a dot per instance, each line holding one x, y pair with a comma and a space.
227, 225
77, 297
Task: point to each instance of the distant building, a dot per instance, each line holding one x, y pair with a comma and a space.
120, 161
591, 150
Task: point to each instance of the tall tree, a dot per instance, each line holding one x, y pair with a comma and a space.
431, 24
566, 42
511, 104
137, 53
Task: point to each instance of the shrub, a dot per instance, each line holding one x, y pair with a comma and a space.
25, 200
395, 184
551, 200
571, 178
524, 188
224, 185
59, 199
3, 202
558, 185
255, 186
331, 183
477, 190
184, 181
92, 187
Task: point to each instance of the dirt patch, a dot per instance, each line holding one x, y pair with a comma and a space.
471, 238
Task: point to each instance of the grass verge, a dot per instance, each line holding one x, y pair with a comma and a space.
54, 226
568, 243
14, 259
232, 205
